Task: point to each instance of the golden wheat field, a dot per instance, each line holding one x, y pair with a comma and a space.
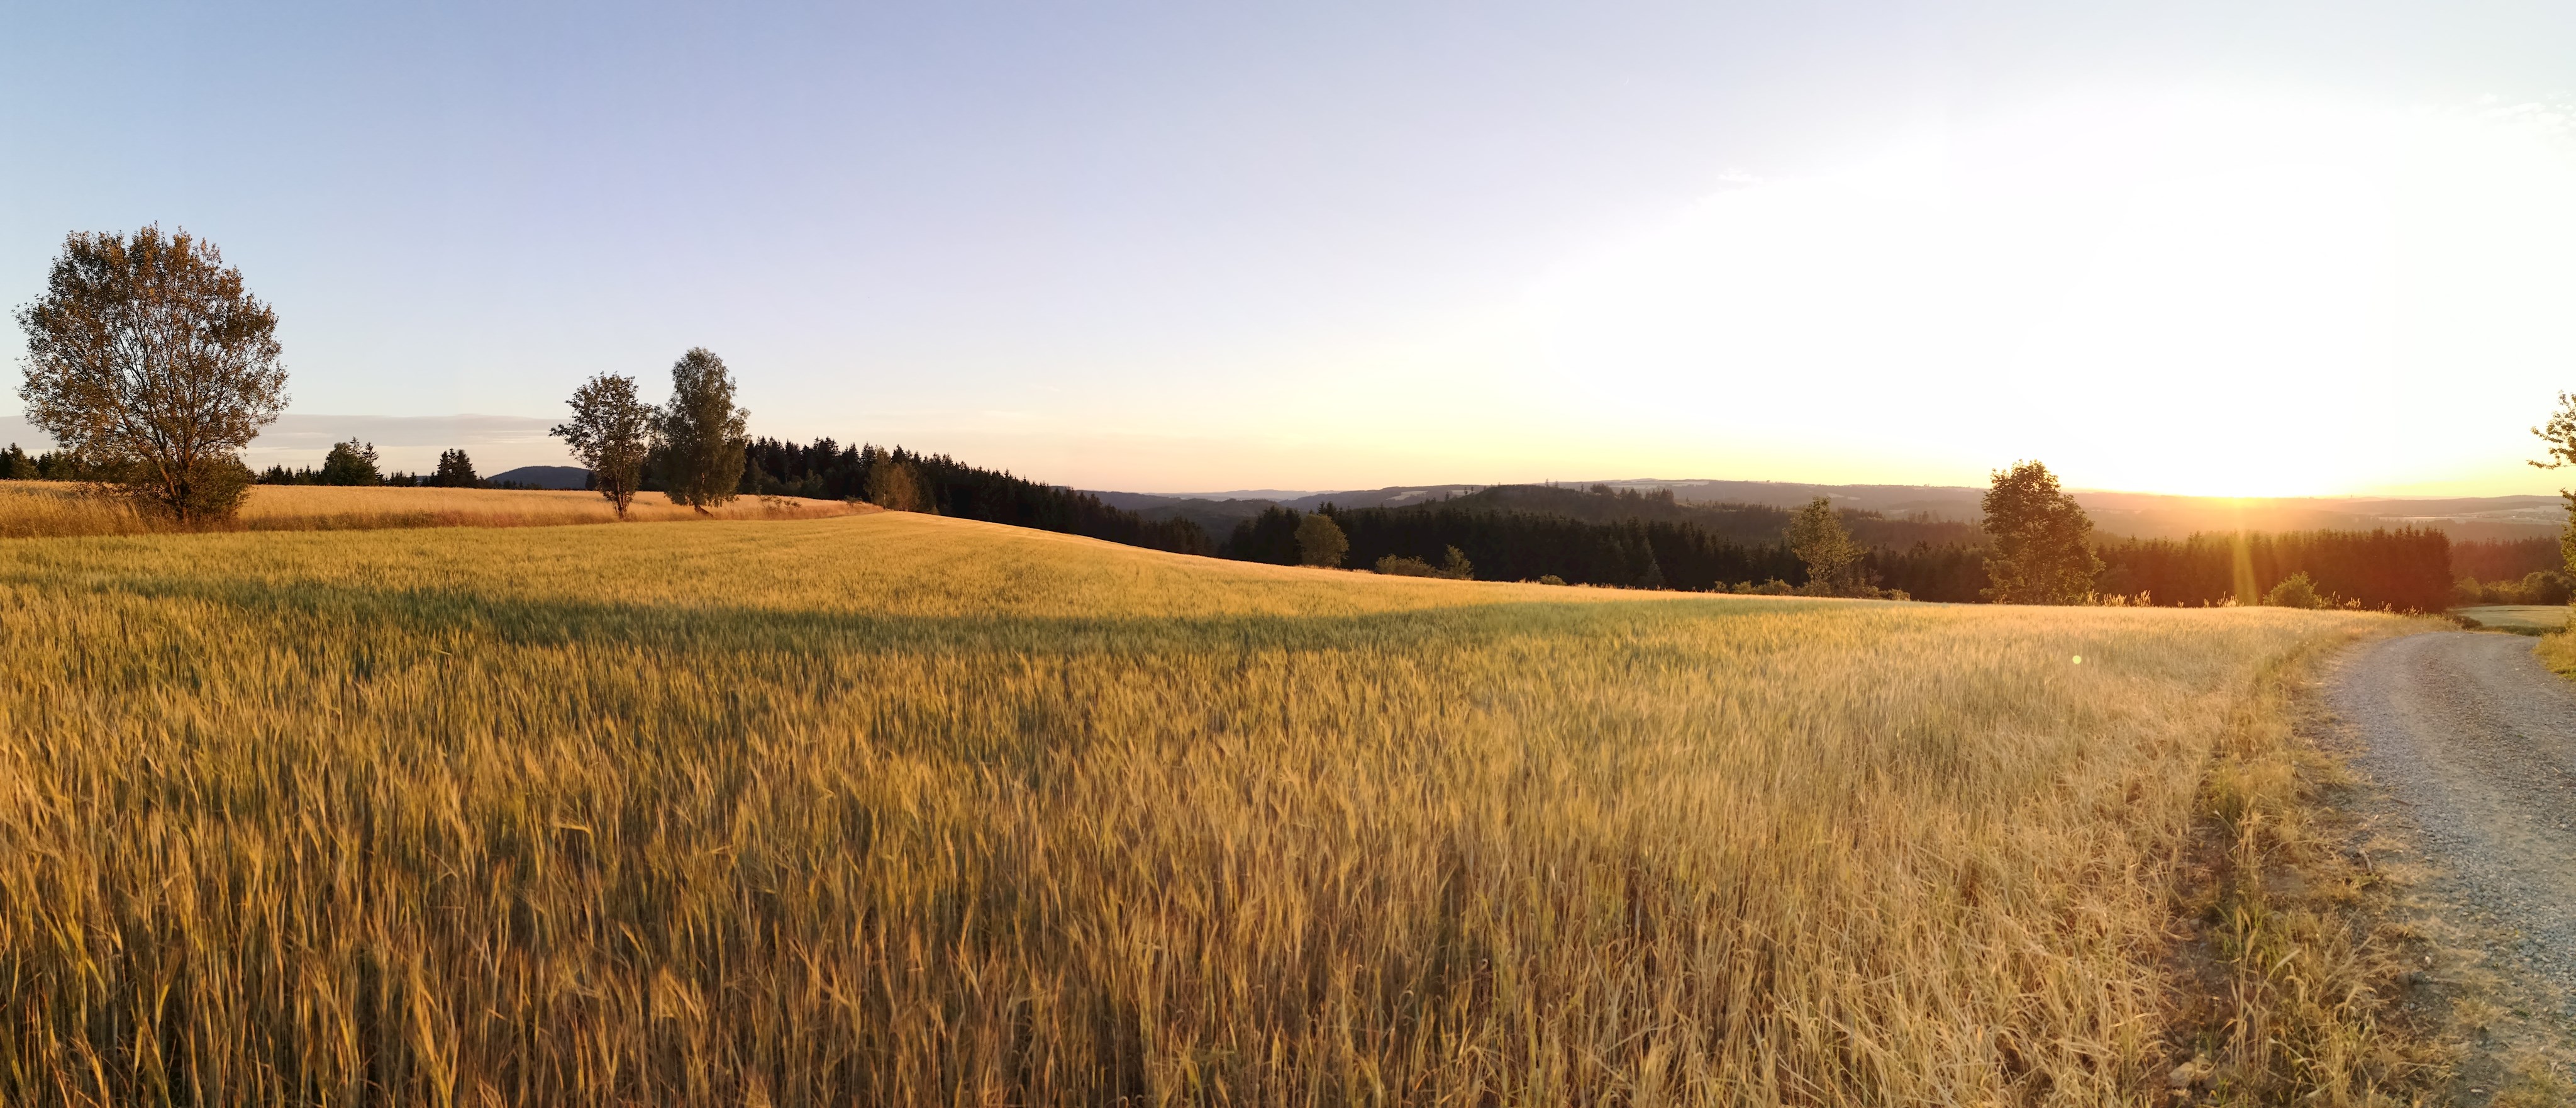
902, 810
56, 508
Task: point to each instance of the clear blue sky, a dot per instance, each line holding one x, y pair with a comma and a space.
2207, 247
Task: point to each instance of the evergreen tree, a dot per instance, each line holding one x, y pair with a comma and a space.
1269, 537
2042, 550
1653, 577
455, 471
703, 443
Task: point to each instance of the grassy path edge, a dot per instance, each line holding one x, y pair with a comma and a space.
2293, 957
2558, 652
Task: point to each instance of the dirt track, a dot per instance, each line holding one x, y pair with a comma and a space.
2472, 745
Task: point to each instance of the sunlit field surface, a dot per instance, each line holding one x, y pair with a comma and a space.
902, 810
2528, 619
55, 508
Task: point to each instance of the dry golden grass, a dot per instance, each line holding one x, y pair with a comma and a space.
59, 509
2558, 652
897, 810
2298, 945
54, 508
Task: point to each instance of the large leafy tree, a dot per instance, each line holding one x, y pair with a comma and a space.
153, 366
2559, 435
1817, 537
703, 436
351, 463
610, 432
2042, 542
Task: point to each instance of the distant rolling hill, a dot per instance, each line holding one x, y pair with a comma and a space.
2145, 515
544, 477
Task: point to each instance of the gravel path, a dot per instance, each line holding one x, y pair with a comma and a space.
2473, 746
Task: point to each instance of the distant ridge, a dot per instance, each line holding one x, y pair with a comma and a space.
544, 477
2144, 515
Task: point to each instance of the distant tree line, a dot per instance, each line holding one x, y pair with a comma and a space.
2408, 569
2540, 586
356, 463
1526, 546
348, 463
1948, 572
2059, 559
1750, 524
52, 465
937, 484
2506, 559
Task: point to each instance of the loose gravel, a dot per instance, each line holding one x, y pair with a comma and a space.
2471, 745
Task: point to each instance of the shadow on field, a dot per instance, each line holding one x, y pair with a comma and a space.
548, 622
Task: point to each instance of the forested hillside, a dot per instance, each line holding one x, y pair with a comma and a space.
1524, 546
2506, 559
1695, 548
940, 485
1730, 522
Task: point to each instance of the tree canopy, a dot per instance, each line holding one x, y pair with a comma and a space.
1817, 537
2042, 542
153, 365
611, 432
455, 471
702, 435
1320, 541
351, 463
2558, 437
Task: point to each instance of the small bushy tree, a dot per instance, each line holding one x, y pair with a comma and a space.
703, 437
1398, 566
1817, 537
2042, 542
153, 366
2294, 591
1320, 541
610, 432
896, 487
351, 463
1456, 567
